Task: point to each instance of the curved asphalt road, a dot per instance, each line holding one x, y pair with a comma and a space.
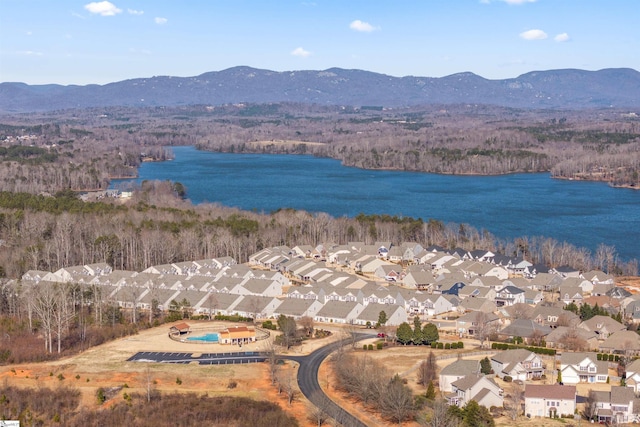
310, 386
307, 372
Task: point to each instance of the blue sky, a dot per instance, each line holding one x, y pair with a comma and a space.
83, 42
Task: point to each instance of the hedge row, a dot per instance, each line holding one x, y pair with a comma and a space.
537, 350
447, 345
608, 357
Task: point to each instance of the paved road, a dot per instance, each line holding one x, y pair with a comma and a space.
307, 372
310, 386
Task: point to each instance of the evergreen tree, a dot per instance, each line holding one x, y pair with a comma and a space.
382, 319
417, 331
572, 307
485, 366
404, 334
475, 415
431, 391
430, 333
586, 312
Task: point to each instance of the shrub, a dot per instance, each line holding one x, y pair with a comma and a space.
178, 381
379, 346
370, 347
460, 344
364, 346
447, 346
611, 358
440, 346
507, 379
454, 345
60, 377
599, 356
101, 396
232, 384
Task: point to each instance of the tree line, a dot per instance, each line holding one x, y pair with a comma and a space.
157, 227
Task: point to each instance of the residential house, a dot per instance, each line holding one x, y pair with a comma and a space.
509, 295
583, 284
533, 296
421, 279
554, 316
603, 326
519, 364
482, 389
549, 400
476, 321
615, 406
571, 294
624, 342
598, 277
583, 367
371, 313
565, 271
563, 337
633, 375
477, 304
256, 307
546, 282
527, 329
297, 308
455, 371
339, 312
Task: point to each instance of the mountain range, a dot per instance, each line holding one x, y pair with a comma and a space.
556, 89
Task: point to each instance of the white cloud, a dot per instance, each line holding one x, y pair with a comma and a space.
135, 12
364, 27
563, 37
509, 1
300, 52
534, 35
160, 21
103, 8
29, 53
519, 1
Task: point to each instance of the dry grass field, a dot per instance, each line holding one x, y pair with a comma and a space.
106, 366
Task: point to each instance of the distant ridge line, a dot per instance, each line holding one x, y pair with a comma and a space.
556, 89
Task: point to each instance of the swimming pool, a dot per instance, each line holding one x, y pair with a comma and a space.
213, 337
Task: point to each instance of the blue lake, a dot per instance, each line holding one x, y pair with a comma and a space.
584, 214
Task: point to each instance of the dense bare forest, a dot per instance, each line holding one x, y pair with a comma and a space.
157, 227
82, 149
61, 406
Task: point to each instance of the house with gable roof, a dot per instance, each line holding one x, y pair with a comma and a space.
615, 406
583, 368
571, 294
632, 376
395, 314
482, 389
339, 312
598, 277
455, 371
603, 326
509, 295
519, 364
625, 342
470, 322
420, 279
541, 400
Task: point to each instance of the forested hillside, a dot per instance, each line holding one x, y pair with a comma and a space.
81, 150
156, 227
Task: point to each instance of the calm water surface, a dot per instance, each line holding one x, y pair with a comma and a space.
582, 213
